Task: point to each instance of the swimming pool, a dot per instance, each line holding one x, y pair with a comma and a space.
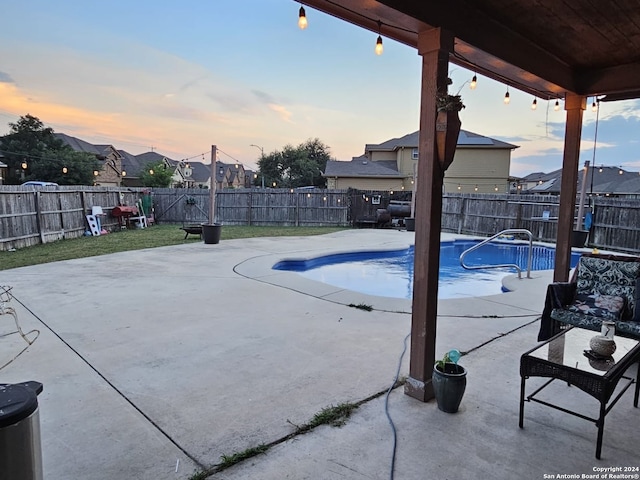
390, 273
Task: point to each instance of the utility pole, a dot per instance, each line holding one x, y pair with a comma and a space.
212, 188
261, 157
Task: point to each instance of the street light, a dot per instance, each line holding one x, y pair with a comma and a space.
261, 157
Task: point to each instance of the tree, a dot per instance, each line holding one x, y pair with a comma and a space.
156, 174
32, 152
295, 166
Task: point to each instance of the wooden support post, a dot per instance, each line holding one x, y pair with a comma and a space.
434, 46
574, 105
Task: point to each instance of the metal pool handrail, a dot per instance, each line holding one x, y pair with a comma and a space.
510, 230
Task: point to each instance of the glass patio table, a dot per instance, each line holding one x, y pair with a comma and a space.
562, 358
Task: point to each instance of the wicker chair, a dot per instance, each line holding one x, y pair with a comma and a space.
603, 287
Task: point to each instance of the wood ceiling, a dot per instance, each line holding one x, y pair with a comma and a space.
544, 47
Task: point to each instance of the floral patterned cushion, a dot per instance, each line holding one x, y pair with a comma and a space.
611, 277
608, 307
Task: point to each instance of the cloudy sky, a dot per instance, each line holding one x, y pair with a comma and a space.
177, 76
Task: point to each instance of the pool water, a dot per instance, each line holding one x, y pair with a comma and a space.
390, 273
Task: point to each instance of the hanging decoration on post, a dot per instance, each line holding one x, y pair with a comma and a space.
448, 126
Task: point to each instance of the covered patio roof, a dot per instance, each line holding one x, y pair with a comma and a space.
543, 47
567, 49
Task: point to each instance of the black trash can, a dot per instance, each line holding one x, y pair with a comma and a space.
20, 449
410, 223
211, 232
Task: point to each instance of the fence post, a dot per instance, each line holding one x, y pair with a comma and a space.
250, 207
463, 212
297, 209
519, 216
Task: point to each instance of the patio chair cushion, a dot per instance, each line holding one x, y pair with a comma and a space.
610, 277
607, 307
595, 275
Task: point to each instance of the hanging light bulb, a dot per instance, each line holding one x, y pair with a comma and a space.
302, 18
64, 170
95, 173
379, 48
594, 106
534, 105
476, 188
495, 188
621, 172
124, 174
151, 172
24, 165
600, 169
507, 98
459, 187
474, 82
556, 107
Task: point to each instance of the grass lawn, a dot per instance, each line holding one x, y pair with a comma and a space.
156, 236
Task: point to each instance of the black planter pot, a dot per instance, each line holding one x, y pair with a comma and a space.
449, 386
410, 223
211, 233
579, 238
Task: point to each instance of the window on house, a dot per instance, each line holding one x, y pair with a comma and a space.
414, 154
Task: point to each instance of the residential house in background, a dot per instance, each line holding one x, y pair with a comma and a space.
3, 169
111, 173
481, 164
601, 181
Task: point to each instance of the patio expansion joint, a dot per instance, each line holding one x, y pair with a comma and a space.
112, 386
300, 430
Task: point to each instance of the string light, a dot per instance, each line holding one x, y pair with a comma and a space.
474, 82
302, 18
534, 105
124, 174
621, 172
64, 170
95, 173
556, 107
495, 188
507, 98
476, 188
600, 169
24, 165
151, 172
379, 48
459, 187
594, 106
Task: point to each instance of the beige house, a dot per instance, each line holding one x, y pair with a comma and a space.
481, 164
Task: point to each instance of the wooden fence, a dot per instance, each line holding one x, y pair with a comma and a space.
29, 217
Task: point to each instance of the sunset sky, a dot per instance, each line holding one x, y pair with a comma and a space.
177, 76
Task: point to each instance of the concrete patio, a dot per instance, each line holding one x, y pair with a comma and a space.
155, 363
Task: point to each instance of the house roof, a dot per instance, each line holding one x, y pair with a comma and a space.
81, 146
466, 139
362, 167
609, 180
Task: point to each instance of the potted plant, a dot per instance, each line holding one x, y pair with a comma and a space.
447, 126
449, 381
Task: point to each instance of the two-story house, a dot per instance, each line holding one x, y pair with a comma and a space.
481, 164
